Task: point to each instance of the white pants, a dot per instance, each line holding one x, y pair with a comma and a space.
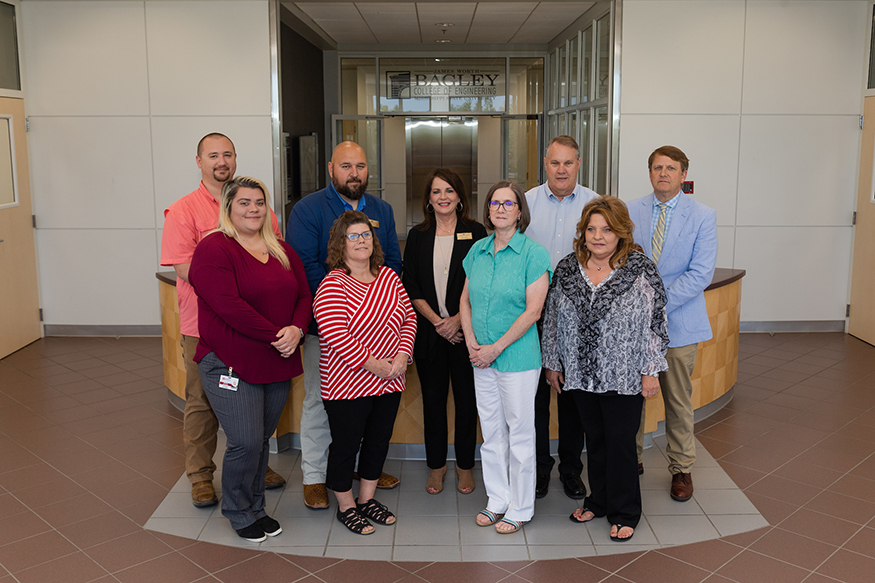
506, 405
315, 433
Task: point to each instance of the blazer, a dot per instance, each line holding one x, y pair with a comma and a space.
689, 255
418, 277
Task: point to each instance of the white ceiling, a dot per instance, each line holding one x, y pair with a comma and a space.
373, 22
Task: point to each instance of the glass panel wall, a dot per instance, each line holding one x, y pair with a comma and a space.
525, 86
358, 86
443, 85
9, 74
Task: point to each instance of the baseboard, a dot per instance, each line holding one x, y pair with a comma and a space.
794, 326
102, 330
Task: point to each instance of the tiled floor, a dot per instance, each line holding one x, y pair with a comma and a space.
441, 528
90, 448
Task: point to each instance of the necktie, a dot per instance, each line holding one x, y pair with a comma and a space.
659, 233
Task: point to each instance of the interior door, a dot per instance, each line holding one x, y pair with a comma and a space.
862, 317
19, 298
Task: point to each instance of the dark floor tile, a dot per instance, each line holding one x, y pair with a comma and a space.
29, 476
213, 558
745, 539
96, 395
752, 567
819, 526
169, 568
265, 567
844, 507
754, 459
848, 445
10, 505
379, 572
99, 529
25, 553
127, 551
103, 371
17, 459
74, 568
128, 493
742, 476
774, 443
72, 510
718, 449
839, 461
799, 470
45, 493
849, 567
773, 410
772, 510
856, 487
866, 469
656, 567
784, 490
808, 436
77, 412
794, 402
794, 549
709, 555
727, 433
812, 393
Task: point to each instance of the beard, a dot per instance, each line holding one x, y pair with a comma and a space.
222, 174
353, 190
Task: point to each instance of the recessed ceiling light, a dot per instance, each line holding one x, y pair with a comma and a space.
444, 24
443, 40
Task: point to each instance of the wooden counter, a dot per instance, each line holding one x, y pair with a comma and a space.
715, 373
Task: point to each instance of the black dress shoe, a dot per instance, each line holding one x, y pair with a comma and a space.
573, 485
542, 485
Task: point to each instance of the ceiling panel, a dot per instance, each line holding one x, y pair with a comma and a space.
459, 14
391, 22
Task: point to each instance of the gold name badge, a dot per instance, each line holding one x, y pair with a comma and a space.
463, 236
374, 224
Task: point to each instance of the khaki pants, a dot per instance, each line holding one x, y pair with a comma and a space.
199, 425
676, 389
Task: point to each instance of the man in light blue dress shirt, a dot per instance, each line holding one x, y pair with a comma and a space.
680, 235
555, 208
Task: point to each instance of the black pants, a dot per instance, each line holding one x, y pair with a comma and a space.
364, 424
435, 371
570, 432
611, 424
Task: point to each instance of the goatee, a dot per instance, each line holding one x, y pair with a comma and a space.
351, 190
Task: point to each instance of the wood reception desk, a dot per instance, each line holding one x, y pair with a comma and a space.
715, 373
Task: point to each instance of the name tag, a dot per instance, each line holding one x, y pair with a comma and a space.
374, 224
229, 383
463, 236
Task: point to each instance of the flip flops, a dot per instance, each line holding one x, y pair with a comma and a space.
617, 538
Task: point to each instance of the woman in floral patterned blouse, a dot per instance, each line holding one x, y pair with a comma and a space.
605, 338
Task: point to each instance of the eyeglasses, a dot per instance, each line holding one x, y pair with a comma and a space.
507, 204
355, 236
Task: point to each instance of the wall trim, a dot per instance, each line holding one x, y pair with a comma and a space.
102, 330
794, 326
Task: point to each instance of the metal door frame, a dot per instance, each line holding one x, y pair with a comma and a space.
539, 117
335, 118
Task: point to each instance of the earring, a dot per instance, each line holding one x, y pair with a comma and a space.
459, 207
429, 207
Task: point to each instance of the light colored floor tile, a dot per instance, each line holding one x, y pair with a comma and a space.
178, 504
446, 554
218, 530
600, 532
658, 502
342, 537
182, 485
300, 551
471, 504
704, 459
620, 548
556, 503
495, 553
413, 480
724, 502
678, 530
365, 553
428, 530
540, 552
471, 534
555, 532
728, 524
415, 503
658, 478
300, 531
184, 527
712, 479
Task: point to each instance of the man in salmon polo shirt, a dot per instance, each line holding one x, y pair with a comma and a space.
186, 222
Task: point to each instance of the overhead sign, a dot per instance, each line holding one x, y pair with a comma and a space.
446, 87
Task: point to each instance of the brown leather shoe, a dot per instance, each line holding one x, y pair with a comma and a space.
640, 469
682, 487
203, 494
273, 480
315, 496
386, 481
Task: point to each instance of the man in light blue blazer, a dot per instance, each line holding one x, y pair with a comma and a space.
680, 235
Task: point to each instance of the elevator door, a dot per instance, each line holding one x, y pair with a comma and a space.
439, 142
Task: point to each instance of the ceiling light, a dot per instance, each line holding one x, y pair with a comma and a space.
443, 40
444, 24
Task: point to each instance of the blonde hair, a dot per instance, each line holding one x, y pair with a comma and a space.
229, 191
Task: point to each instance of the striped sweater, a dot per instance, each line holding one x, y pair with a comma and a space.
357, 320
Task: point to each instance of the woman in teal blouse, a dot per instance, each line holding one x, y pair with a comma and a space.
508, 275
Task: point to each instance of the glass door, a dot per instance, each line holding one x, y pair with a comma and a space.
367, 132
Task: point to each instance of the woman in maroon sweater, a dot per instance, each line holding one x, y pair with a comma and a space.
254, 307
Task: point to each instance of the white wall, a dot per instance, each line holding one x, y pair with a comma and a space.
118, 94
764, 97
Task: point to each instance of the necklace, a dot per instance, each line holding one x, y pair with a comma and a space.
440, 246
597, 267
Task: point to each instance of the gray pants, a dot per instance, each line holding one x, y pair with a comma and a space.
315, 432
249, 416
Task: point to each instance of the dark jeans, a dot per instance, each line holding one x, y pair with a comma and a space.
611, 424
570, 431
360, 426
435, 371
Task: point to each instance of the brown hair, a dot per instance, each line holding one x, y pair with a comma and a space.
566, 141
671, 152
617, 216
455, 181
337, 242
525, 215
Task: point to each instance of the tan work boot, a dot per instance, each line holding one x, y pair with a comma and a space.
203, 494
273, 480
315, 496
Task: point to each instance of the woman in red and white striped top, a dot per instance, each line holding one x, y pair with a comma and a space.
367, 326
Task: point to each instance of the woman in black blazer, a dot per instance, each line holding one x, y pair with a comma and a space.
434, 279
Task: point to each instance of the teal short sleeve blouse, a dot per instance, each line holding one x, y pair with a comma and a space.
497, 285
